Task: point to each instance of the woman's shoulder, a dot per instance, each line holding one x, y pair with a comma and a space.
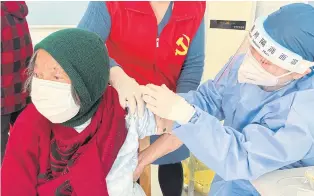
31, 114
111, 96
110, 103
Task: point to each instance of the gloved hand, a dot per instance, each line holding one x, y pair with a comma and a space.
166, 104
128, 90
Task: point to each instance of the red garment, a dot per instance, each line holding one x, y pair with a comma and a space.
47, 159
16, 51
134, 44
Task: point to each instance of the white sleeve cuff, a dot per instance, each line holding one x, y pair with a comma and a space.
188, 112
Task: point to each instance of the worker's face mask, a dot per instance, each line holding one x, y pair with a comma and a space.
262, 61
53, 100
252, 72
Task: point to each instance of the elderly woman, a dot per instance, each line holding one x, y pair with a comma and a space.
73, 139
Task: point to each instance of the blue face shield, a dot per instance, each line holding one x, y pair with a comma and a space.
264, 62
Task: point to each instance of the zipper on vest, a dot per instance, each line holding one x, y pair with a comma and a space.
157, 46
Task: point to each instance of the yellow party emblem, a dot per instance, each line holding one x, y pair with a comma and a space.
182, 47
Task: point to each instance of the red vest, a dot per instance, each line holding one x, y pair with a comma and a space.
144, 56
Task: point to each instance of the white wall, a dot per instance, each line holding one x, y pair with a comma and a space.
221, 44
46, 17
39, 32
55, 12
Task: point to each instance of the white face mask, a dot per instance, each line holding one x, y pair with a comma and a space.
53, 100
253, 73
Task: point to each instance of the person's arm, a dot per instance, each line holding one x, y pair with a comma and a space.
150, 124
209, 95
193, 67
251, 152
20, 164
97, 19
164, 145
233, 154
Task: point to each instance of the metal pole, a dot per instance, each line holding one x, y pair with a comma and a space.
191, 175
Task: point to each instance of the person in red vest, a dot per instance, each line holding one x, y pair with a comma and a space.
16, 51
152, 42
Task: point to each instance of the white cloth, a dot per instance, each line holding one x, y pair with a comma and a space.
120, 178
82, 127
288, 182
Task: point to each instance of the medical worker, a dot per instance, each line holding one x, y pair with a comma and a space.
152, 42
264, 95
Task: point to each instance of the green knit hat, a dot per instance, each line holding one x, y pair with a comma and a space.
84, 57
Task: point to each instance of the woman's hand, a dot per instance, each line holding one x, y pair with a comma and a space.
128, 90
138, 171
165, 144
166, 104
140, 166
